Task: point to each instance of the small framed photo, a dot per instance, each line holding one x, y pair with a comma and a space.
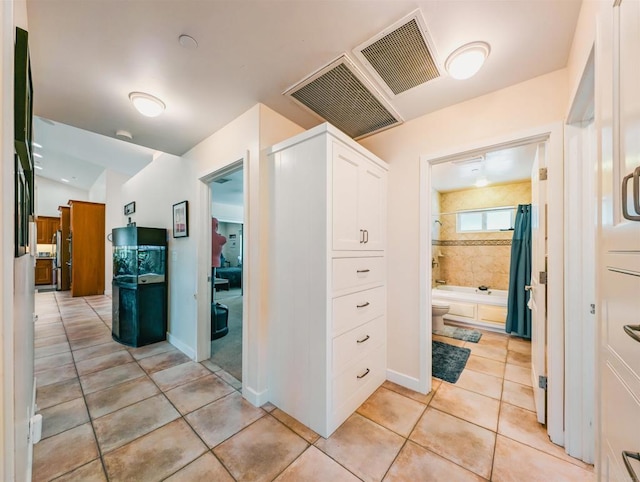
130, 208
181, 219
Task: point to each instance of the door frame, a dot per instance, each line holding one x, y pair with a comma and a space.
203, 332
552, 134
580, 267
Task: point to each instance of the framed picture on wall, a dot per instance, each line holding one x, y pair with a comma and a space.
181, 219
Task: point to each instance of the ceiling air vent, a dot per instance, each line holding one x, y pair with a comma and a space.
402, 56
341, 95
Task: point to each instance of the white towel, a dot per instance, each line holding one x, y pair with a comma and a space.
530, 302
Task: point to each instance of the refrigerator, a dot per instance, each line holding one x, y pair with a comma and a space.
57, 262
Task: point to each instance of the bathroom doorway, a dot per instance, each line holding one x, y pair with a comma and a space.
433, 256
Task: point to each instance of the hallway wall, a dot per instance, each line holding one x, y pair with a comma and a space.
506, 112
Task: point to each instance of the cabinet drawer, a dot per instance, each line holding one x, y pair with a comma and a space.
358, 381
353, 310
620, 412
350, 273
357, 343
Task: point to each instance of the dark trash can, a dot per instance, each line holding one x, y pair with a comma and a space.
219, 320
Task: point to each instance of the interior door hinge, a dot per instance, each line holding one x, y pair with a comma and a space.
542, 174
592, 309
542, 382
542, 279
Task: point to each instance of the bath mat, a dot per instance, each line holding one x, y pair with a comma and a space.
459, 333
448, 361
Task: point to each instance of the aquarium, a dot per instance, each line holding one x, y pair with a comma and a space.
139, 264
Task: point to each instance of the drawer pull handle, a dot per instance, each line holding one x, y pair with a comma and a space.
366, 234
626, 455
625, 181
363, 340
363, 305
361, 236
366, 372
631, 331
362, 271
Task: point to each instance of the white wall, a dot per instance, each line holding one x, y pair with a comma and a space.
250, 133
534, 103
166, 181
51, 194
107, 189
227, 212
16, 278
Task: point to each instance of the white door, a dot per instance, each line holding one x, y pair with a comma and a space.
619, 243
538, 288
347, 234
371, 206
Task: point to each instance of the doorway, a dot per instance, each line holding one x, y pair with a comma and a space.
551, 137
227, 287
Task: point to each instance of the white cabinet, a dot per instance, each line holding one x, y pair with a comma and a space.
327, 285
619, 239
359, 201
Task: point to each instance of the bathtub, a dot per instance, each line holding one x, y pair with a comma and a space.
484, 309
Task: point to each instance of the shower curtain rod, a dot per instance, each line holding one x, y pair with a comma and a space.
477, 210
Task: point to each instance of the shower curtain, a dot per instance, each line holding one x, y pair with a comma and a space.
518, 313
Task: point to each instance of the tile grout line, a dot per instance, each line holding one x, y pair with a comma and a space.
84, 399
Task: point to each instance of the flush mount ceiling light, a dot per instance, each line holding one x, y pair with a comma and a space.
467, 60
482, 182
147, 104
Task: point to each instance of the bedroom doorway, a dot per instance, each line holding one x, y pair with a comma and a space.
227, 226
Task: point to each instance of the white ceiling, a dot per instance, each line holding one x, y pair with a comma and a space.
88, 55
498, 167
229, 192
80, 156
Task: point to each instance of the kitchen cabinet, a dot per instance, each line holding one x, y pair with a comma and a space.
327, 290
87, 246
44, 271
46, 227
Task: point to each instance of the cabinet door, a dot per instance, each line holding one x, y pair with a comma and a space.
371, 205
41, 227
43, 272
347, 234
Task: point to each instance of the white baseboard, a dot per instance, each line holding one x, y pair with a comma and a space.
187, 350
257, 399
403, 380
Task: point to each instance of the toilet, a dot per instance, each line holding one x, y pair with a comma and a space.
438, 310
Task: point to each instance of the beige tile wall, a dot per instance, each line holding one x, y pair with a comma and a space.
477, 265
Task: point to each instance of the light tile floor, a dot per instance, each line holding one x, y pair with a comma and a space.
150, 414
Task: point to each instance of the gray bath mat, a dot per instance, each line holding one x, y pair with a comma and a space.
448, 361
459, 333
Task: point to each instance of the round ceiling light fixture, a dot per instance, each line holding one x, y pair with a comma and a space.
147, 104
466, 61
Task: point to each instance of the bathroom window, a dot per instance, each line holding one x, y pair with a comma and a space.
485, 220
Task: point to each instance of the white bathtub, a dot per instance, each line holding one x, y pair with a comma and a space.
485, 309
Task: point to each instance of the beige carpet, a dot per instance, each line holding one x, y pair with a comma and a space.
226, 352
